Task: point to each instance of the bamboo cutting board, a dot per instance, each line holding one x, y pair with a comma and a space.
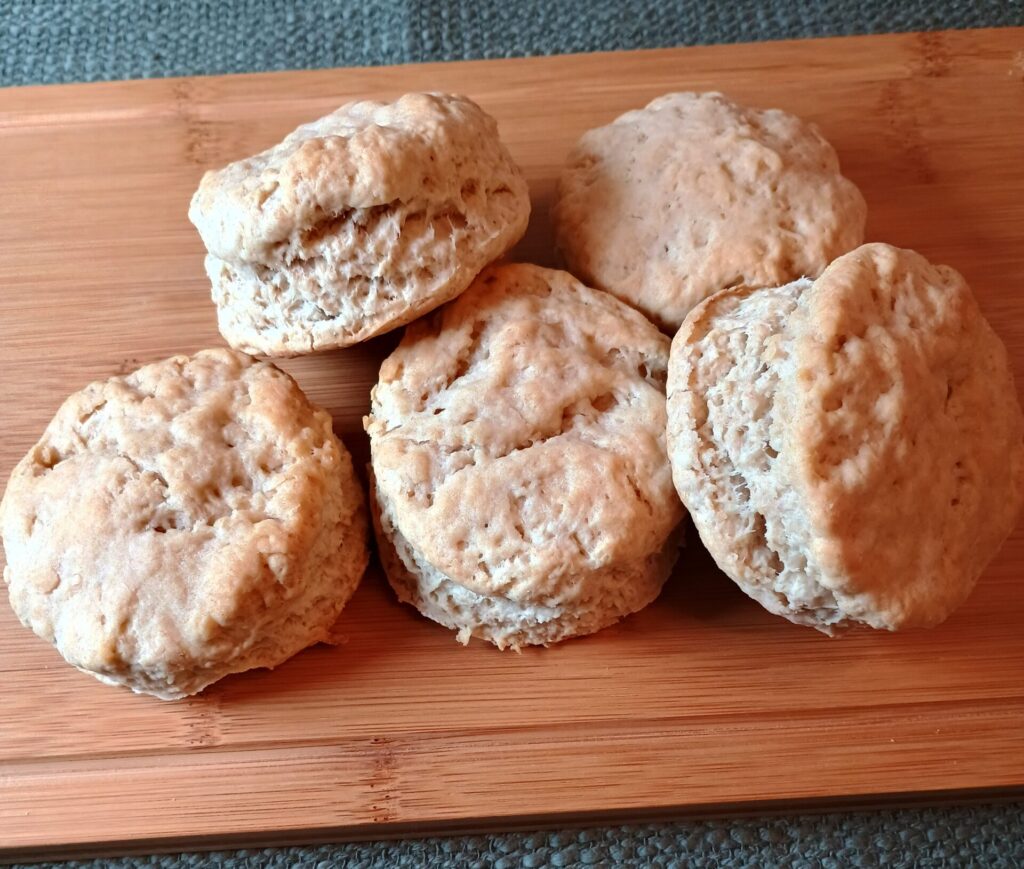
701, 703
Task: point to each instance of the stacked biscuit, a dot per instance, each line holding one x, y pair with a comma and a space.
840, 421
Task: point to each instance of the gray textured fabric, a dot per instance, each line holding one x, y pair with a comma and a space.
989, 836
88, 40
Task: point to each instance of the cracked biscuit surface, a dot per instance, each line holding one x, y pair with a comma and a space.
357, 223
694, 193
850, 448
193, 519
518, 448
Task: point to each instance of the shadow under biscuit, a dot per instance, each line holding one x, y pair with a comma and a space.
699, 590
338, 668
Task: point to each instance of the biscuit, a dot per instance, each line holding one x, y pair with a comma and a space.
850, 448
193, 519
357, 223
671, 203
518, 447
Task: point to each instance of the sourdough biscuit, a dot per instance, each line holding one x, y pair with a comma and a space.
671, 203
517, 442
357, 223
850, 449
193, 519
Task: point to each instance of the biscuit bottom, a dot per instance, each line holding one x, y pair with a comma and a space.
607, 595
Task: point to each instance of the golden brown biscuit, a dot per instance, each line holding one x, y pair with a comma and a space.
850, 449
518, 445
195, 518
357, 223
671, 203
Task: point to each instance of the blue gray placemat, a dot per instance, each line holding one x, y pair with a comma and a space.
88, 40
986, 836
49, 41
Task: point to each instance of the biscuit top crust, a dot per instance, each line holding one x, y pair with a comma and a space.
906, 433
694, 193
265, 208
519, 435
164, 516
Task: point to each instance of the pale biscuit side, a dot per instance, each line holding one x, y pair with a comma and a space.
727, 446
605, 597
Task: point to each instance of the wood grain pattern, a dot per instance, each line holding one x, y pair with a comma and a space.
703, 701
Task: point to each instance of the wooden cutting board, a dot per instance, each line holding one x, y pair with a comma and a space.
702, 703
